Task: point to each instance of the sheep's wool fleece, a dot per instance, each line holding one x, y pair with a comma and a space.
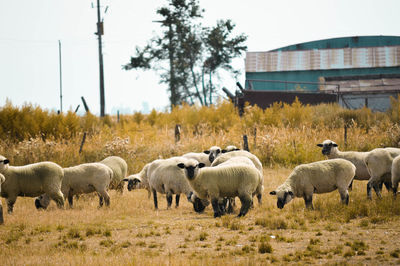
320, 177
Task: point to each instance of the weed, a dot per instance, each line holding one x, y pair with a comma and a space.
265, 247
106, 243
202, 236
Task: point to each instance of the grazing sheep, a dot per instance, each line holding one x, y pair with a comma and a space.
120, 170
395, 174
83, 179
379, 165
2, 179
139, 180
331, 150
31, 180
222, 181
318, 177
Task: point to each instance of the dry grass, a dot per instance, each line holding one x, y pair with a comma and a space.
131, 232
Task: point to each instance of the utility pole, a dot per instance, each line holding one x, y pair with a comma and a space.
59, 56
99, 33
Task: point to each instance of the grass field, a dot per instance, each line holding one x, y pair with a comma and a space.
131, 232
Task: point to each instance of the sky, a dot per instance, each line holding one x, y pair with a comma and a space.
30, 32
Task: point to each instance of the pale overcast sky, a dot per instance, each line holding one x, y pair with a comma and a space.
30, 30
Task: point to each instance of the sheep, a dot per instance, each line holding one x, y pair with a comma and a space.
165, 178
241, 153
31, 180
206, 157
331, 150
395, 174
317, 177
139, 180
83, 179
230, 148
379, 165
222, 181
120, 170
2, 179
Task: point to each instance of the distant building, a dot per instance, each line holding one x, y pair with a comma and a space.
354, 71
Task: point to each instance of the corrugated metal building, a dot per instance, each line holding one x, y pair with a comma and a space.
362, 70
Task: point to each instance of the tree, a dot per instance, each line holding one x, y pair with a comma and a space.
194, 53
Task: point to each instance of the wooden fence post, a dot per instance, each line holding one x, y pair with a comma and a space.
83, 142
177, 133
245, 143
345, 136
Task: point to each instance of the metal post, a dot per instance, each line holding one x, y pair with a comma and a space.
59, 56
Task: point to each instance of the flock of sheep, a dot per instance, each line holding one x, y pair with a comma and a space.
216, 175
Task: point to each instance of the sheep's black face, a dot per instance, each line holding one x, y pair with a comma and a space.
190, 169
284, 197
190, 172
133, 183
213, 153
327, 147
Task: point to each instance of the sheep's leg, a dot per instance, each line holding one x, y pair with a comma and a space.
259, 198
375, 185
177, 197
70, 199
231, 202
120, 187
10, 204
148, 193
394, 189
245, 200
215, 205
169, 200
1, 214
155, 199
388, 185
103, 196
369, 186
308, 201
222, 205
351, 185
58, 197
344, 196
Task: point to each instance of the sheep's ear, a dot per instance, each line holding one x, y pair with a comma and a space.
236, 150
125, 179
334, 145
291, 193
136, 180
206, 152
201, 165
6, 161
181, 165
273, 192
223, 151
320, 145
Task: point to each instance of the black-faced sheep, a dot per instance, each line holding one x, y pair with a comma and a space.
120, 170
31, 180
83, 179
222, 181
379, 165
139, 180
230, 148
331, 150
206, 157
318, 177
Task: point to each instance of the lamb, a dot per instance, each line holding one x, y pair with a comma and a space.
395, 175
2, 179
379, 165
83, 179
120, 170
222, 181
206, 157
31, 180
317, 177
331, 150
139, 180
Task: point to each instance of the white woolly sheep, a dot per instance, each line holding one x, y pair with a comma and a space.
242, 153
165, 178
230, 148
379, 165
139, 180
222, 181
206, 157
395, 174
331, 150
317, 177
2, 179
82, 179
31, 180
120, 170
